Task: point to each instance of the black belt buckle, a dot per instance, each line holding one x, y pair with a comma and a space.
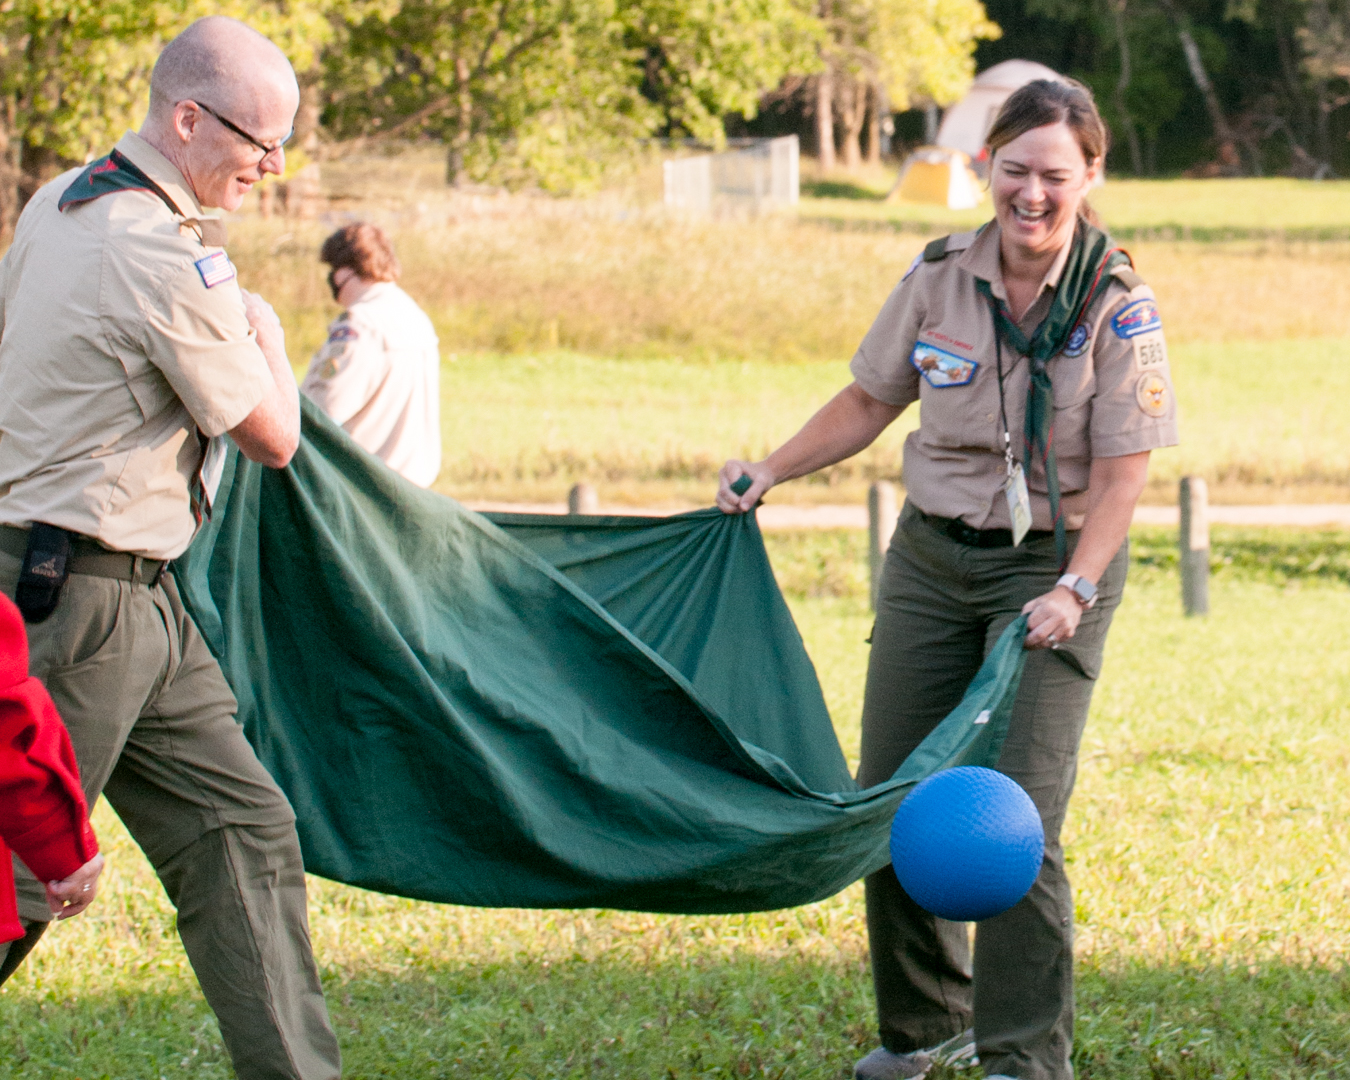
46, 566
159, 573
963, 533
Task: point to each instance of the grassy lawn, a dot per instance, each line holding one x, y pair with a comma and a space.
1193, 209
1207, 842
594, 342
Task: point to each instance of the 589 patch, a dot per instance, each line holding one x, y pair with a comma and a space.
1150, 350
941, 368
1153, 394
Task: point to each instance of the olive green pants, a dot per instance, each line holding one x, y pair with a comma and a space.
152, 721
940, 608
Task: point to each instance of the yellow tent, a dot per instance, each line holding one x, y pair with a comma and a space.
934, 174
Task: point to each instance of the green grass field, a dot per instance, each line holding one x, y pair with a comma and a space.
605, 341
1207, 844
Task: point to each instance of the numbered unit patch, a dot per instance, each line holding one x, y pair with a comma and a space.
215, 269
1078, 341
1150, 350
941, 368
1140, 317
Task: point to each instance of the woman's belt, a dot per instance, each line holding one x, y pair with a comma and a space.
958, 530
90, 557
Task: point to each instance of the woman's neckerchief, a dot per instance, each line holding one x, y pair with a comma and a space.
1084, 278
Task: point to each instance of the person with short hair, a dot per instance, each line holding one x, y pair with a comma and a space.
128, 353
379, 372
1038, 356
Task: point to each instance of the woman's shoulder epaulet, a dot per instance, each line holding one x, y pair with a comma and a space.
939, 249
1127, 276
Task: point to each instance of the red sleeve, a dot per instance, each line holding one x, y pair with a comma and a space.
43, 816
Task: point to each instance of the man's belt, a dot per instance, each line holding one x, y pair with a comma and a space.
91, 558
958, 530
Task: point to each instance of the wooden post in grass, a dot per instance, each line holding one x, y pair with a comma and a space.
582, 499
1194, 546
881, 515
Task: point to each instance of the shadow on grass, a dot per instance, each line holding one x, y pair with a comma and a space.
839, 189
699, 1018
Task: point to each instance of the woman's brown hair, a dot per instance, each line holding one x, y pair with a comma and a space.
364, 248
1049, 101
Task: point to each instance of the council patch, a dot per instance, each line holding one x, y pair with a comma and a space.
1153, 394
941, 368
1137, 318
1078, 341
913, 266
215, 269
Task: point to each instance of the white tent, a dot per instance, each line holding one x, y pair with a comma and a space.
966, 123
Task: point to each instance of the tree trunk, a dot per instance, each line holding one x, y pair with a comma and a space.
854, 108
459, 145
306, 135
1122, 85
877, 108
825, 120
1229, 161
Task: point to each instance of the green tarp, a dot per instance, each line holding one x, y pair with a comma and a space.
533, 711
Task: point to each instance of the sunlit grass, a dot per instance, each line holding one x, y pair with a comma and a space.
1207, 844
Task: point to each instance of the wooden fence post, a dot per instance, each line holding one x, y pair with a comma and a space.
582, 499
881, 516
1194, 546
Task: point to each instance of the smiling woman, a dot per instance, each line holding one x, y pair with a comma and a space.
1037, 324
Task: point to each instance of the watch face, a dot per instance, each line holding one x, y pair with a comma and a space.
1084, 589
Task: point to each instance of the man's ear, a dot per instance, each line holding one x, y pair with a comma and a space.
186, 117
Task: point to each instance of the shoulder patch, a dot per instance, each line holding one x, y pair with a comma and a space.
1139, 317
215, 269
1153, 394
912, 267
940, 368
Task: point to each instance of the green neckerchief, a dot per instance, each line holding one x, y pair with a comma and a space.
1085, 277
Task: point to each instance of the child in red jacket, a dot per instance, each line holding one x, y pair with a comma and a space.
43, 817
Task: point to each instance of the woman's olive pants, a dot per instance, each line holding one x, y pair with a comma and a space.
941, 606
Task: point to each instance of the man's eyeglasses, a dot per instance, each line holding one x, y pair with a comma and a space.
267, 150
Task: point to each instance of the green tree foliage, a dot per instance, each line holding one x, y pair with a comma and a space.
516, 88
703, 59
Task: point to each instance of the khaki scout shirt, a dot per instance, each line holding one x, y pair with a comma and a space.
114, 355
934, 342
379, 376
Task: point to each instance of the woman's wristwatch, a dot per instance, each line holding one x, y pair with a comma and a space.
1083, 590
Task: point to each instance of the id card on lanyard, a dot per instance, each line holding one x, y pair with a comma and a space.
1015, 485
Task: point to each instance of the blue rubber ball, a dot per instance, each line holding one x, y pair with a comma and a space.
967, 843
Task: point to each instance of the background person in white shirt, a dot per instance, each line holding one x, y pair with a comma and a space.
378, 374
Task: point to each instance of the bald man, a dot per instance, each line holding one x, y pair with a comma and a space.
128, 354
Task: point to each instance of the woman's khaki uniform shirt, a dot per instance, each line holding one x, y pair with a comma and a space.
934, 342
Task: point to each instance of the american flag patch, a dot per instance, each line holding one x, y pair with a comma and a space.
215, 269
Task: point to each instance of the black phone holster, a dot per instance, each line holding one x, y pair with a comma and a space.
46, 566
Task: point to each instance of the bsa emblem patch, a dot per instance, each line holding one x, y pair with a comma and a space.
941, 368
1137, 318
1078, 341
215, 269
913, 266
1153, 394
